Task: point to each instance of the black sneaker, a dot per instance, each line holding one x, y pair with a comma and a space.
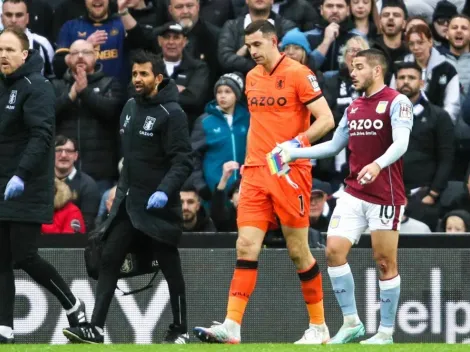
5, 340
84, 333
78, 317
176, 335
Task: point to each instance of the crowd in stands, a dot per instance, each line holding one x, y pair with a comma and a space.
86, 46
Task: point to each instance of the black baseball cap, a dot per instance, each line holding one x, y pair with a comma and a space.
171, 27
321, 187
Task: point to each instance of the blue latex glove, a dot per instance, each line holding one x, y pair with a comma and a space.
15, 188
157, 200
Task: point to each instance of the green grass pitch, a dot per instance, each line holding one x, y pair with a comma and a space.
239, 348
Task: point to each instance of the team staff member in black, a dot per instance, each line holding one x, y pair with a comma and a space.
27, 119
147, 207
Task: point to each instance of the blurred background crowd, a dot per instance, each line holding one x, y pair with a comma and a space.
86, 46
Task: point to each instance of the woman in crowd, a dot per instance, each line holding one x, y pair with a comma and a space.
365, 17
441, 82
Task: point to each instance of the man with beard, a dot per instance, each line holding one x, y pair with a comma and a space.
146, 212
392, 24
428, 160
26, 177
459, 49
195, 218
330, 36
87, 110
376, 128
201, 35
104, 31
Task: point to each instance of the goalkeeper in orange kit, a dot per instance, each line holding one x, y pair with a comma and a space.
282, 94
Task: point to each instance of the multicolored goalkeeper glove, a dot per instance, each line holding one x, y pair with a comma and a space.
279, 157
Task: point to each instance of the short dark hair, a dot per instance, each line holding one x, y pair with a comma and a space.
409, 65
26, 2
348, 2
417, 17
460, 15
264, 26
395, 3
374, 57
61, 140
144, 56
20, 34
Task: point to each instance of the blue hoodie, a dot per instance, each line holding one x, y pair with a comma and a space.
215, 143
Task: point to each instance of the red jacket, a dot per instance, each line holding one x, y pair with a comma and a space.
68, 219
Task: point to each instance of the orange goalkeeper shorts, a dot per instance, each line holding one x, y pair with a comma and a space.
264, 196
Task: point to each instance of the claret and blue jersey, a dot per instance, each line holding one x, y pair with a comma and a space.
368, 124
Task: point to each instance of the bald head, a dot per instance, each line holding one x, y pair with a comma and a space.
81, 56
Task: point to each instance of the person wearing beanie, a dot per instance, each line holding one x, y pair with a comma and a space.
296, 46
444, 11
456, 221
219, 135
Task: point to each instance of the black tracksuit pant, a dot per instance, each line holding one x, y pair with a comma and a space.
18, 249
121, 238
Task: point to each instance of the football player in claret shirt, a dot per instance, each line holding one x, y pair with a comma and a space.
376, 128
281, 94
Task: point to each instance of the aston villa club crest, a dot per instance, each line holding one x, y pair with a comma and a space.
12, 98
381, 107
149, 122
280, 82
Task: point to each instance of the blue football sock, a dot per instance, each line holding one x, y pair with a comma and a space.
343, 285
389, 296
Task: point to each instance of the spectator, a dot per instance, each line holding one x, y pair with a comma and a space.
443, 12
459, 55
428, 160
441, 82
201, 34
457, 221
202, 37
216, 12
67, 216
220, 134
392, 24
87, 109
15, 14
195, 218
225, 199
331, 34
108, 40
365, 17
459, 49
191, 75
339, 93
296, 46
321, 207
232, 51
83, 186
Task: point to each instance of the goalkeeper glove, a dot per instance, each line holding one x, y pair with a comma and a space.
280, 156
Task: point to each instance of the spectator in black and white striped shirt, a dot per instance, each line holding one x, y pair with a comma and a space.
15, 14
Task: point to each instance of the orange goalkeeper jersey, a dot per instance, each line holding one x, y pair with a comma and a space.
277, 103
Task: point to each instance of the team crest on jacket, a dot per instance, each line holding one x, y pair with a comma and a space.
149, 122
280, 82
381, 107
13, 95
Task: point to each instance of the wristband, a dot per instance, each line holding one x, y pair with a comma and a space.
123, 13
